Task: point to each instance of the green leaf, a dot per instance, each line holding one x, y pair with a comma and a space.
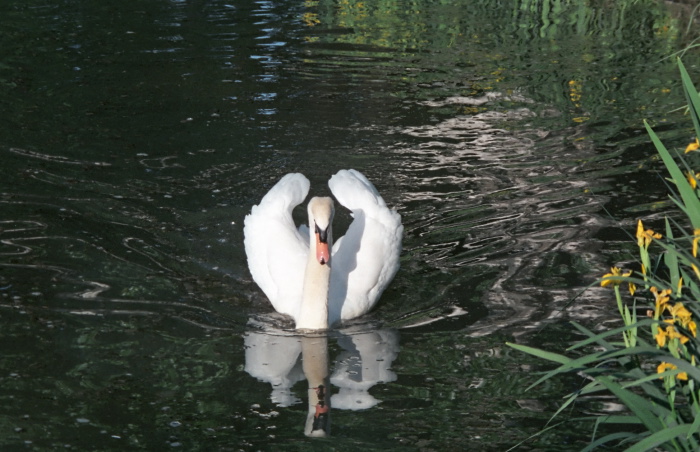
641, 407
607, 438
549, 356
692, 97
671, 260
685, 258
579, 364
590, 388
598, 338
544, 430
690, 199
592, 337
695, 426
659, 438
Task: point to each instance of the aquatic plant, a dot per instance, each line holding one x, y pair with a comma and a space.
654, 370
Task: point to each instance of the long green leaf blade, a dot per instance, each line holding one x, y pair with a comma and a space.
549, 356
690, 199
691, 95
671, 259
598, 338
659, 438
607, 438
641, 407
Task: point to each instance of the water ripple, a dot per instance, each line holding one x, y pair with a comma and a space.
492, 192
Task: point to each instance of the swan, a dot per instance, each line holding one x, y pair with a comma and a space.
302, 271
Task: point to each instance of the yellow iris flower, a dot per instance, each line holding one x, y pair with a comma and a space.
663, 367
681, 315
661, 299
678, 311
669, 333
644, 237
696, 239
694, 146
614, 277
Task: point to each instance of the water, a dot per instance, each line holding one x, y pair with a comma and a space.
136, 138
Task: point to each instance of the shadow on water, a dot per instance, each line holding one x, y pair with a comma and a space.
135, 140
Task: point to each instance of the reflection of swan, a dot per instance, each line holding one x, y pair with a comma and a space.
365, 361
314, 355
295, 268
274, 359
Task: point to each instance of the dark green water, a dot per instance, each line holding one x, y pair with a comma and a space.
135, 137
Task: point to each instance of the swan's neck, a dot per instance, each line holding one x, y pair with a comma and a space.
314, 299
313, 314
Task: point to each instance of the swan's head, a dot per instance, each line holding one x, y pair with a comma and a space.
321, 213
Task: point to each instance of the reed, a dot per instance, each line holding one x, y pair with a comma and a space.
653, 370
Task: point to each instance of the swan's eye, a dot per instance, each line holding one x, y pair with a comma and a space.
322, 234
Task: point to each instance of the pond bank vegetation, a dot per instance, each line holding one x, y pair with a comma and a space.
650, 364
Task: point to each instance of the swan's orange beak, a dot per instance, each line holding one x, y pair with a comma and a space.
323, 254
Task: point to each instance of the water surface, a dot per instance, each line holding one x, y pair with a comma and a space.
136, 138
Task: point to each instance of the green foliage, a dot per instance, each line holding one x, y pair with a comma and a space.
654, 371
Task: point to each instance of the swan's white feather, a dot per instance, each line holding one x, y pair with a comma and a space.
363, 262
276, 250
366, 258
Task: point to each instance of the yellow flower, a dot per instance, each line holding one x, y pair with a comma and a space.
696, 239
633, 288
614, 277
663, 367
678, 311
662, 299
692, 179
660, 337
674, 334
668, 333
693, 146
644, 237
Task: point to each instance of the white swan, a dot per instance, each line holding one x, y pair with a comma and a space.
305, 275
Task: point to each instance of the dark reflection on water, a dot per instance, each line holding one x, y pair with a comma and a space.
135, 139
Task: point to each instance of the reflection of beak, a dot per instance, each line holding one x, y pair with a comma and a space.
314, 359
323, 254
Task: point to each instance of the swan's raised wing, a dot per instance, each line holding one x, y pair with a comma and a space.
366, 258
276, 250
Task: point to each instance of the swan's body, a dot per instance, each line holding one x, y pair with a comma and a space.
303, 273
